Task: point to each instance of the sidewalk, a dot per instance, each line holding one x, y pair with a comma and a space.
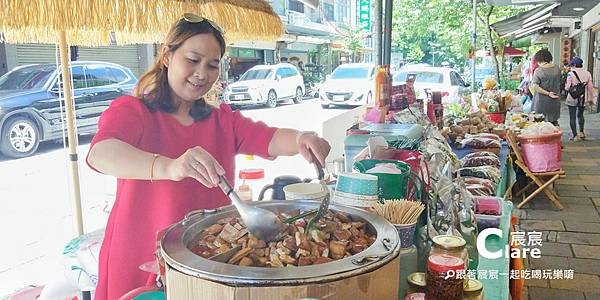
571, 237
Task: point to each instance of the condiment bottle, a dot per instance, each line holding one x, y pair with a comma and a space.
442, 280
244, 190
416, 283
450, 245
473, 290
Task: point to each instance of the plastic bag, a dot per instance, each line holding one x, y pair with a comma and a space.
483, 135
485, 172
539, 128
479, 190
480, 143
478, 161
480, 154
487, 184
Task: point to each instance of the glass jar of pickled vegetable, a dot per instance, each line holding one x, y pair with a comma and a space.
473, 290
443, 282
416, 283
450, 245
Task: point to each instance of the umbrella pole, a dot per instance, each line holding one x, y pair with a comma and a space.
71, 130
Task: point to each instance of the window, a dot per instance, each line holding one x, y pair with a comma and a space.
118, 74
290, 72
281, 72
254, 74
26, 78
78, 77
328, 10
99, 76
343, 11
456, 80
278, 6
350, 73
296, 6
422, 77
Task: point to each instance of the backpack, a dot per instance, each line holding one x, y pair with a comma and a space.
578, 90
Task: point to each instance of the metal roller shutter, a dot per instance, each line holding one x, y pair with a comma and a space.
35, 54
127, 56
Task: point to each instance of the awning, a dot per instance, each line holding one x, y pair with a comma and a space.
560, 14
508, 51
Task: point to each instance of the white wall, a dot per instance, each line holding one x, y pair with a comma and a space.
591, 18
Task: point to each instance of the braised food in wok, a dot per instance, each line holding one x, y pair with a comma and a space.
334, 236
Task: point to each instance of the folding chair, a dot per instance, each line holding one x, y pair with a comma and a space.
537, 178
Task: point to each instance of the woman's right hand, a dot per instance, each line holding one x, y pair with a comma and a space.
196, 163
553, 95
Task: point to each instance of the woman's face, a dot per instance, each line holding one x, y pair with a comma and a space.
194, 67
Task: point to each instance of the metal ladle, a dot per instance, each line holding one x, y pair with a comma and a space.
262, 223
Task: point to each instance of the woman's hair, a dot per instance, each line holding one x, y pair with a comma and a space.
543, 56
578, 65
153, 87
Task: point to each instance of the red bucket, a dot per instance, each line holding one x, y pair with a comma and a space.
496, 117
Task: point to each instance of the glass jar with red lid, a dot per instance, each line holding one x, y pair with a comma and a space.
443, 277
245, 189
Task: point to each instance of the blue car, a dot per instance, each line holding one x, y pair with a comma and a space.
30, 107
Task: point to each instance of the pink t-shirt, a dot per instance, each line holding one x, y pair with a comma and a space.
585, 77
142, 208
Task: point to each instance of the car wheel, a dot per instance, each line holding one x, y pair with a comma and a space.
299, 95
20, 137
326, 106
271, 99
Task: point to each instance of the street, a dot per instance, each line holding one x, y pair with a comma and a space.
36, 216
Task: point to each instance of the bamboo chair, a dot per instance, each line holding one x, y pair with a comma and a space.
544, 180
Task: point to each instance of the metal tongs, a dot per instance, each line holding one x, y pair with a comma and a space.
318, 213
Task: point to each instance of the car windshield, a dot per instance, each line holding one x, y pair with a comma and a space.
256, 74
350, 73
27, 78
422, 77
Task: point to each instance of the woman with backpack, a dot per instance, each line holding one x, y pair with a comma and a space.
578, 82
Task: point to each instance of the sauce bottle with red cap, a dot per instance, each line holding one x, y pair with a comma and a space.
244, 190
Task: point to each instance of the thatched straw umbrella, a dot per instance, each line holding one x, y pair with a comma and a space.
97, 22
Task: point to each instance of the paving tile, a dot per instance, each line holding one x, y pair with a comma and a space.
578, 193
586, 251
551, 237
593, 188
556, 249
525, 293
549, 262
588, 216
537, 293
577, 226
579, 238
585, 265
596, 201
542, 225
592, 296
580, 282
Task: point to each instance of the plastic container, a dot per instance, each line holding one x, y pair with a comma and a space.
487, 221
450, 245
473, 290
542, 153
442, 282
416, 283
496, 117
415, 296
488, 205
247, 176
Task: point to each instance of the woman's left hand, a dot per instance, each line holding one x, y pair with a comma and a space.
553, 95
310, 142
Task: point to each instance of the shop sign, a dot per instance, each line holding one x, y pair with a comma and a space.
364, 14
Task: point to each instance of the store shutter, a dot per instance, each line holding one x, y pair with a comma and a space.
127, 56
35, 54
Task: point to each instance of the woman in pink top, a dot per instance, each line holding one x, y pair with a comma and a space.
167, 148
577, 106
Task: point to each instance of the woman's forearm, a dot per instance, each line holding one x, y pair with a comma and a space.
284, 142
119, 159
539, 89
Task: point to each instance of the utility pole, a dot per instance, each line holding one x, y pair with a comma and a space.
378, 32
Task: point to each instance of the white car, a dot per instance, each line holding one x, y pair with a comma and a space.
445, 80
266, 84
349, 84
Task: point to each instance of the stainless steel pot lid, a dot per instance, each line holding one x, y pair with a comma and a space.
178, 256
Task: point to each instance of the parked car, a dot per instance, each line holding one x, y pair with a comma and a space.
349, 84
30, 107
266, 85
444, 80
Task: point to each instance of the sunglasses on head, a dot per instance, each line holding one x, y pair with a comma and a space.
194, 19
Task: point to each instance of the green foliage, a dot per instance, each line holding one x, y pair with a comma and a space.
418, 23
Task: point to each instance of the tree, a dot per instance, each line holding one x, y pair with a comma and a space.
353, 41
